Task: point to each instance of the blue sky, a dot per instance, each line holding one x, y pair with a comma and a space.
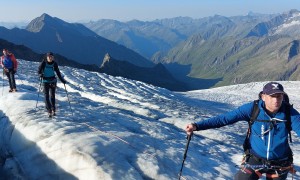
123, 10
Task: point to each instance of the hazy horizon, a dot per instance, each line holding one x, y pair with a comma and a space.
126, 10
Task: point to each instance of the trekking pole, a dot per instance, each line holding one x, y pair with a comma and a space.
2, 80
69, 100
37, 100
185, 152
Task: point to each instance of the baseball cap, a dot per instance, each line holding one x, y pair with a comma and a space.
273, 88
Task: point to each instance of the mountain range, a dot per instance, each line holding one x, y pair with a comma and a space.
159, 36
192, 53
267, 52
226, 50
60, 37
72, 40
157, 75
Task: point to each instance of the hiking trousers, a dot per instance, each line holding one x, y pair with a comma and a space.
10, 73
250, 174
49, 92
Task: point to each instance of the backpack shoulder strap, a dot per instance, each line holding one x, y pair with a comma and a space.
254, 113
42, 67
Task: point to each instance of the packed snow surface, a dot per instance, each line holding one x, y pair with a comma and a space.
115, 128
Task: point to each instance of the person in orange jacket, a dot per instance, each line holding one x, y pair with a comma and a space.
9, 65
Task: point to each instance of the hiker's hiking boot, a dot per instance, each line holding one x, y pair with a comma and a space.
12, 90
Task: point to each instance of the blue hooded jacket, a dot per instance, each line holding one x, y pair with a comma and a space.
268, 140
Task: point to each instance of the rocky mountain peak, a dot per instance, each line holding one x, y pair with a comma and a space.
45, 17
37, 24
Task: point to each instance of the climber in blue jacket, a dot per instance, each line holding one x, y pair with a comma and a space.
266, 147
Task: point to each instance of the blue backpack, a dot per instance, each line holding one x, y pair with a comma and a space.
7, 62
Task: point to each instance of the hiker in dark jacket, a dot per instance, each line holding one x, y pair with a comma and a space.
268, 151
9, 65
46, 71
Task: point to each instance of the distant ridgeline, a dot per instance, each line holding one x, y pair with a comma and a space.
243, 49
222, 50
185, 53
